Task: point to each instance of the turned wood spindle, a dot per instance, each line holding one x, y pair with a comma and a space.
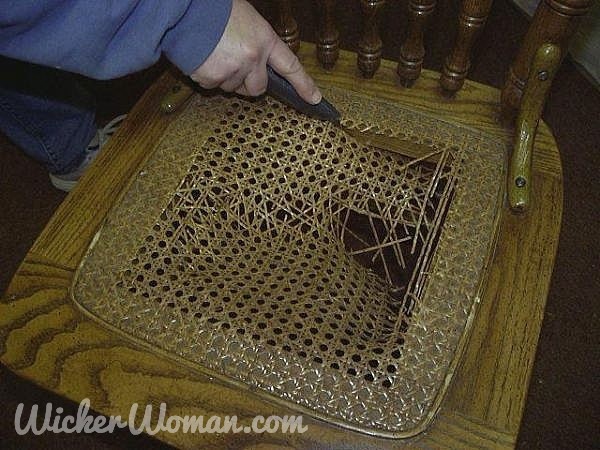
554, 22
471, 20
370, 44
328, 45
412, 51
286, 26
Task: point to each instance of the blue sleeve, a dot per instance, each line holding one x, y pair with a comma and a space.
109, 38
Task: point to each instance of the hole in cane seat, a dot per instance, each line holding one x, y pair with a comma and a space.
310, 262
315, 235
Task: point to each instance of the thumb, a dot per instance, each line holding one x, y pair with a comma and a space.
286, 64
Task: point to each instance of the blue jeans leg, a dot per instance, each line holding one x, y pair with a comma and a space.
47, 113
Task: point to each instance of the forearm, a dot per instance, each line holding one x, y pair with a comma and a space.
107, 39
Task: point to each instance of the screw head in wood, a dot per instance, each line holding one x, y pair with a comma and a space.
543, 75
520, 182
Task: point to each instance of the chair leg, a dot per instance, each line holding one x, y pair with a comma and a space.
555, 22
545, 64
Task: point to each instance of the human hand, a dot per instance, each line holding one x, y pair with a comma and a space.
239, 61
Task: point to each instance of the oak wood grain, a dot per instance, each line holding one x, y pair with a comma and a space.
554, 22
542, 72
44, 338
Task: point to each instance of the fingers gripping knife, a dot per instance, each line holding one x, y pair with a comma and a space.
280, 89
277, 87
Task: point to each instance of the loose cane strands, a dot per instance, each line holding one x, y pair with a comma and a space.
281, 253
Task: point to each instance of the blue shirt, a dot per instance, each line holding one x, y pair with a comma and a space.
109, 38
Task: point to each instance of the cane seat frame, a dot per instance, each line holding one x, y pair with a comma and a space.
47, 339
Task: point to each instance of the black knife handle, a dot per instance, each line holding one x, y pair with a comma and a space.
282, 90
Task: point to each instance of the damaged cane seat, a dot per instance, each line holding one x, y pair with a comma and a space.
298, 258
238, 258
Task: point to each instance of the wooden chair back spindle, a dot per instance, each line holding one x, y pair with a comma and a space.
412, 51
370, 45
328, 42
471, 20
554, 22
286, 26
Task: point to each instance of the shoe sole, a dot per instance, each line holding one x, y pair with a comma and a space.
61, 184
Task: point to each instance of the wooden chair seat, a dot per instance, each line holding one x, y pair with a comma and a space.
46, 339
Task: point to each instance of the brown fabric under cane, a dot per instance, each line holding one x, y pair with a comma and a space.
280, 252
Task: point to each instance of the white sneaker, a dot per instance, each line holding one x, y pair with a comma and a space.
67, 181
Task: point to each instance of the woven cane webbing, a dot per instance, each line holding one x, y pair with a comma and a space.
280, 252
